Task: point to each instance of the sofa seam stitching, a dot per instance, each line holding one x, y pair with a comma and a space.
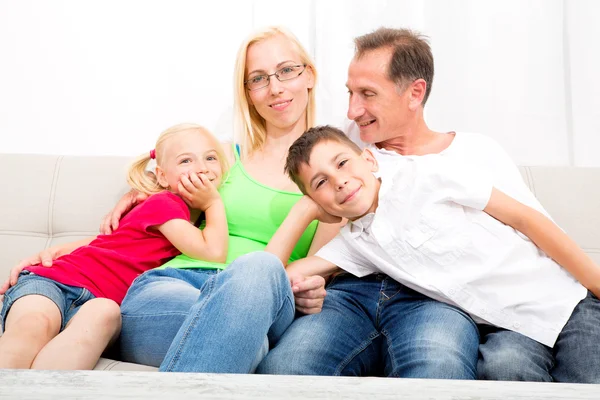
531, 181
52, 199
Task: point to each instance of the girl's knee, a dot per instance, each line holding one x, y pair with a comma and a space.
35, 325
34, 315
105, 313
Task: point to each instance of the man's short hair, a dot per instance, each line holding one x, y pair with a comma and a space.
300, 151
411, 55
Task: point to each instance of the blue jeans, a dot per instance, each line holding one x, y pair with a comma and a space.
67, 298
575, 358
376, 326
196, 320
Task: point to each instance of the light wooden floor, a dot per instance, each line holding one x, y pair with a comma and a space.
24, 385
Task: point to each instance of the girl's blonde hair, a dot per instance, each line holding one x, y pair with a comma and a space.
144, 181
249, 126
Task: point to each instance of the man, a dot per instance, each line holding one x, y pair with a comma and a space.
374, 325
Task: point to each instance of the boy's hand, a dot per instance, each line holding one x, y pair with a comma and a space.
126, 203
198, 191
317, 211
44, 258
309, 293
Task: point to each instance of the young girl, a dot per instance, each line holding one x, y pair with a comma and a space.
64, 317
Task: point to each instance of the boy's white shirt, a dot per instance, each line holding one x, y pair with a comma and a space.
430, 234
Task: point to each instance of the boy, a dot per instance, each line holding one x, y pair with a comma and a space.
445, 231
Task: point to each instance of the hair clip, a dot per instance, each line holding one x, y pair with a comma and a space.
153, 154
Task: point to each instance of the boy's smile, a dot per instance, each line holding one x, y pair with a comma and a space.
340, 180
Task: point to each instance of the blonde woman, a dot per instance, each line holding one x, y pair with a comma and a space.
221, 317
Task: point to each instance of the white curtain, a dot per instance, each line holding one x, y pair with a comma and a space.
105, 77
522, 72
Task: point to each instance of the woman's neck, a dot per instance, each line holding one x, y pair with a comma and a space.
279, 140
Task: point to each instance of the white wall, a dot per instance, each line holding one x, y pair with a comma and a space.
105, 77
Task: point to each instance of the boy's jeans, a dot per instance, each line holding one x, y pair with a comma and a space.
377, 326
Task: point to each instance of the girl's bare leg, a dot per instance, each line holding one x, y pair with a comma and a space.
81, 343
31, 323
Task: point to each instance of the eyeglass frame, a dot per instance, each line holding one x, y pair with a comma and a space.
276, 76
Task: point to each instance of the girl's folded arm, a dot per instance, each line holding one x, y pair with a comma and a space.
208, 244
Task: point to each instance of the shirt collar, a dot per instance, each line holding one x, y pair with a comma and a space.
357, 227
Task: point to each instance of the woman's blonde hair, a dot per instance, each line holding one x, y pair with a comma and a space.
144, 181
249, 126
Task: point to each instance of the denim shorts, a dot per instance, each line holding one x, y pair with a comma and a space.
67, 298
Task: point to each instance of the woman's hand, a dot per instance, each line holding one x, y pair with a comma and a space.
309, 293
44, 257
198, 191
125, 204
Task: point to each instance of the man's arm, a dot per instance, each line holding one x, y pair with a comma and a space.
547, 236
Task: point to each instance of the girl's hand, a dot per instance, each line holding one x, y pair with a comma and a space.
198, 191
44, 258
317, 211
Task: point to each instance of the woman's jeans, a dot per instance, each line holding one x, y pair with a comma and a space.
197, 320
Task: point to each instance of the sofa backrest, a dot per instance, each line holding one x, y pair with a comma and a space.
49, 200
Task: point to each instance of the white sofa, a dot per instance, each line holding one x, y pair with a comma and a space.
50, 199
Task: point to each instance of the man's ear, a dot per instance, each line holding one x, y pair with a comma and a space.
368, 156
417, 91
161, 177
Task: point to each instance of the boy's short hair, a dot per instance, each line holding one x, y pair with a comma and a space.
301, 150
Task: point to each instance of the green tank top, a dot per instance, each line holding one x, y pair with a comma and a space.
254, 212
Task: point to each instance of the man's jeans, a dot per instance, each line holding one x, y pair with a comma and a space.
376, 326
575, 358
197, 320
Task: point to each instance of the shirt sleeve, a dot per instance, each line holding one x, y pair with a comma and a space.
162, 207
459, 182
339, 252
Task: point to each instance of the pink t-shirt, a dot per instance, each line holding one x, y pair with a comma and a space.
109, 264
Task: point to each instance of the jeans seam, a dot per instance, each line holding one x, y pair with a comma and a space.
551, 369
388, 340
210, 285
83, 293
152, 315
284, 298
357, 351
